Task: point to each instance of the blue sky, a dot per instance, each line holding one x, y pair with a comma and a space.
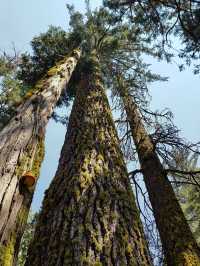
21, 20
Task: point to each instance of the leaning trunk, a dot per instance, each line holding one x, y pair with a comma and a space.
89, 216
21, 154
179, 246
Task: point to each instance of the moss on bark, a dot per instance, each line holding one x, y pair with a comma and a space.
89, 215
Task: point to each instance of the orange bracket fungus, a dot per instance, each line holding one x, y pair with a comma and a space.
28, 179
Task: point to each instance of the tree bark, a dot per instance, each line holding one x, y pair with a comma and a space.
179, 245
89, 215
22, 150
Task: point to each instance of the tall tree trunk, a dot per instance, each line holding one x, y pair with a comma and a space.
178, 242
22, 150
89, 216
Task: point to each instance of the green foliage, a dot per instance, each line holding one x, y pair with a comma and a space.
114, 43
48, 48
11, 90
97, 33
162, 19
191, 38
26, 239
4, 67
9, 96
19, 77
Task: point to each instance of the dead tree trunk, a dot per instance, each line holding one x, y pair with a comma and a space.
179, 245
21, 154
89, 215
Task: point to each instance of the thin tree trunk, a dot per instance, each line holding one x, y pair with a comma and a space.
89, 216
22, 150
179, 245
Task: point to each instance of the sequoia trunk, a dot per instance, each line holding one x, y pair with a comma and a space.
178, 243
89, 216
22, 151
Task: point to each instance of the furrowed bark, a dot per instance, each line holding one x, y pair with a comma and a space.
89, 215
22, 150
179, 245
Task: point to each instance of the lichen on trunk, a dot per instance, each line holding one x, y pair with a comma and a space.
179, 245
22, 150
89, 215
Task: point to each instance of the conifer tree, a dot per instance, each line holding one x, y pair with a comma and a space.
89, 215
75, 172
22, 151
179, 245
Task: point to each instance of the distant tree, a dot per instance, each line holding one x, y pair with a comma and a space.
187, 188
11, 91
190, 203
27, 238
